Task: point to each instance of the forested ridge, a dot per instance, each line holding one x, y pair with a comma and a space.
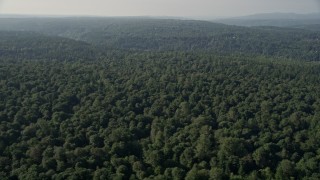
30, 45
148, 34
72, 109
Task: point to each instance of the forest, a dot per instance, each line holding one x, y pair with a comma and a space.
134, 98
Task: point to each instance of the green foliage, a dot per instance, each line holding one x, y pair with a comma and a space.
155, 115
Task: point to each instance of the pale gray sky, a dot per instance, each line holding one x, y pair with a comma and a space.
206, 8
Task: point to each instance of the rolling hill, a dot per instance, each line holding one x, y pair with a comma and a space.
147, 34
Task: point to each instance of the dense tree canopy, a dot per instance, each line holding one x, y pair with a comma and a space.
73, 110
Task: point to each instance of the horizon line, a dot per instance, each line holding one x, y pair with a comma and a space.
200, 17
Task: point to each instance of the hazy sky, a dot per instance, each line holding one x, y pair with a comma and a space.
214, 8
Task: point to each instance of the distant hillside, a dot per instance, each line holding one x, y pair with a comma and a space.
281, 16
30, 45
147, 34
273, 19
